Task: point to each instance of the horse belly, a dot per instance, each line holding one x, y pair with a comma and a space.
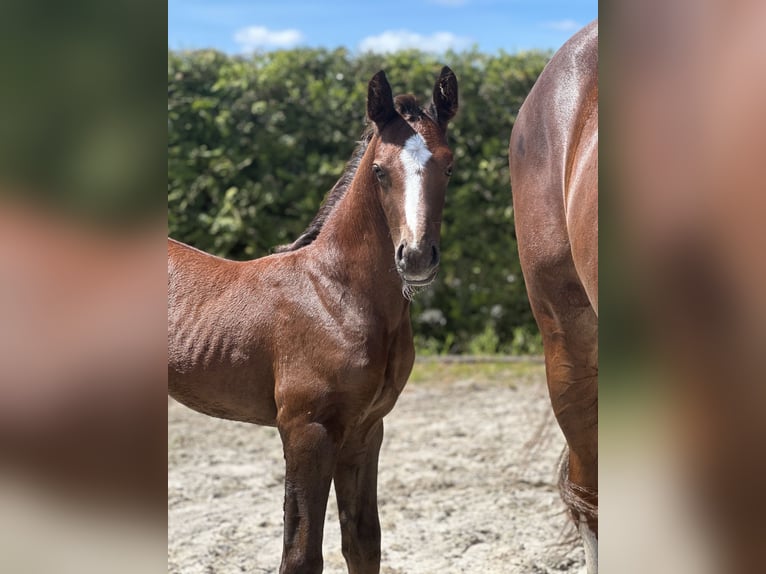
219, 371
234, 396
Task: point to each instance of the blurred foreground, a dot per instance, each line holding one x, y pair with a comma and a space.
683, 90
82, 391
82, 287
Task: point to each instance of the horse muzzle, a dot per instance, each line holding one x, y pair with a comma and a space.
417, 267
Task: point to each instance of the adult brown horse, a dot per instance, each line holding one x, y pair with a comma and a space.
316, 338
554, 173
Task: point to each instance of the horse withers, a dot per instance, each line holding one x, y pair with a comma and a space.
554, 175
315, 339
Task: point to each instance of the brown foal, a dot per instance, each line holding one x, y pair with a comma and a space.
316, 338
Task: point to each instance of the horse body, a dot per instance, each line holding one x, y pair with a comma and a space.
554, 173
316, 339
236, 365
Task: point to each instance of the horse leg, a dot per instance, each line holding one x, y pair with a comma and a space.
589, 535
584, 512
356, 478
569, 327
310, 452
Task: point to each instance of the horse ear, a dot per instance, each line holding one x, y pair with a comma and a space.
380, 100
445, 101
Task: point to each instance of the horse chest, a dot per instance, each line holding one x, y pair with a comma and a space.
401, 357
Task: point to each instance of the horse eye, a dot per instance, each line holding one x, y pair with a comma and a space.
378, 171
448, 171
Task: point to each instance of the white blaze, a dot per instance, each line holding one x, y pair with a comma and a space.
414, 156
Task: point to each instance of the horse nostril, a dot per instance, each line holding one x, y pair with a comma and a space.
400, 254
434, 255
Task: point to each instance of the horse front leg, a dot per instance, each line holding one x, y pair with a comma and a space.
356, 483
310, 453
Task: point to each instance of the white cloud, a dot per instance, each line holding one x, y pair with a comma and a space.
394, 40
562, 25
255, 37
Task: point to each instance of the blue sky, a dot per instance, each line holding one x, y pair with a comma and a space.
238, 26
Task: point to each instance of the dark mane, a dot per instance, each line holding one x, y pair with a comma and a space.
333, 196
407, 106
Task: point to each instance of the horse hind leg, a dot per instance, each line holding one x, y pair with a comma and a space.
569, 327
583, 512
356, 475
590, 543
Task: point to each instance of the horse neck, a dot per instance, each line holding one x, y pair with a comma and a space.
356, 242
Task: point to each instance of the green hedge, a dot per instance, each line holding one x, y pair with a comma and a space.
255, 143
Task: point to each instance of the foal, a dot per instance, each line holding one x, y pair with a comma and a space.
316, 338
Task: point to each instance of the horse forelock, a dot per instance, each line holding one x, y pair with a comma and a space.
408, 107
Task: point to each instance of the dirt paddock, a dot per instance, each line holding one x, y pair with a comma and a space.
466, 483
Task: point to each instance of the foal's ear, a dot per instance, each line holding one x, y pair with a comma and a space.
445, 104
380, 100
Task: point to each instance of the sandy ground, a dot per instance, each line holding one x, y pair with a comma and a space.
466, 484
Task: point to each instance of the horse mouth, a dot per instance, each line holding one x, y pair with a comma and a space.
420, 282
413, 285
